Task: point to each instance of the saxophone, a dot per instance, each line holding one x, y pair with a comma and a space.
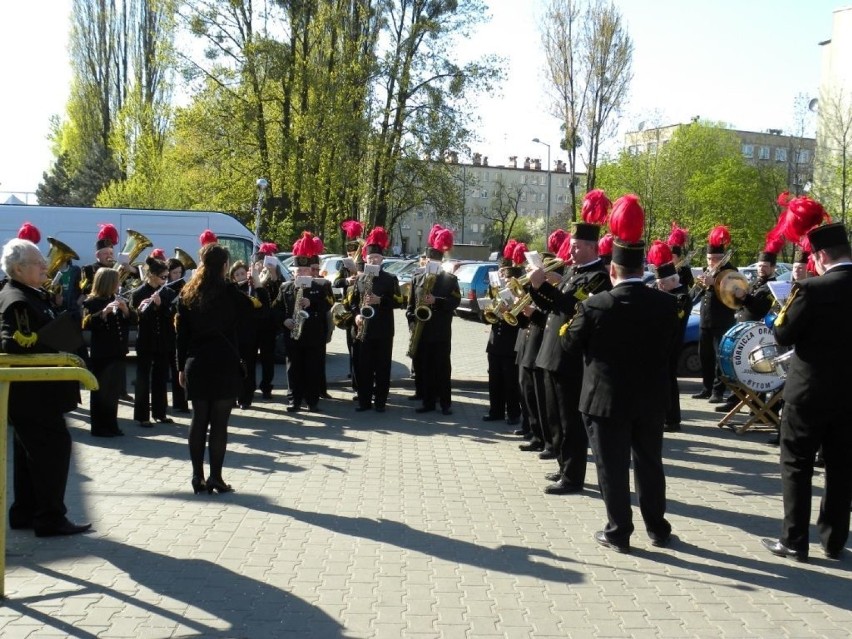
422, 313
366, 311
299, 314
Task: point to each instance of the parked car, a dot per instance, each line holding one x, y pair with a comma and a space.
750, 271
404, 274
473, 286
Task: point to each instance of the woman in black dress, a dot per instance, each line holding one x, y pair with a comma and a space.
209, 311
108, 317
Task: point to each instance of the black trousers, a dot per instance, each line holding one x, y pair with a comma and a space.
673, 412
41, 457
503, 386
613, 443
803, 431
708, 353
374, 368
179, 401
541, 404
570, 443
436, 371
152, 375
266, 348
103, 403
306, 369
529, 403
248, 354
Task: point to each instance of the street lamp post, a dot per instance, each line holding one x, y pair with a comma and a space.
547, 214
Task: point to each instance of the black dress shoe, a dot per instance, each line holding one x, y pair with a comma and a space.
671, 428
780, 550
531, 447
717, 398
65, 528
832, 554
490, 418
547, 454
562, 487
553, 476
705, 394
361, 409
601, 538
661, 542
293, 409
446, 411
519, 432
164, 420
424, 409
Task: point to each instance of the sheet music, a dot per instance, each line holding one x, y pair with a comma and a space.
780, 290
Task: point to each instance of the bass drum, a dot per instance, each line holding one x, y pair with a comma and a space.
735, 358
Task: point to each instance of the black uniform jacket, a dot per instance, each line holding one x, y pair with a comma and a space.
577, 284
109, 335
714, 314
447, 298
386, 286
815, 320
23, 311
315, 328
156, 328
527, 345
757, 302
88, 276
627, 337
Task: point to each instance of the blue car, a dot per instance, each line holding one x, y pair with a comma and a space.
689, 365
473, 286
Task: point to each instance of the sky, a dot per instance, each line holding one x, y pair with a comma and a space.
737, 61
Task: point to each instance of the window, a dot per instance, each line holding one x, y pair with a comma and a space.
763, 153
748, 150
803, 156
483, 193
780, 155
524, 196
560, 198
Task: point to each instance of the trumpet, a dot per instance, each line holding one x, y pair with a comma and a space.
511, 316
517, 284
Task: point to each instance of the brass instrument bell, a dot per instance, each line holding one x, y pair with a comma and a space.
185, 259
728, 285
57, 256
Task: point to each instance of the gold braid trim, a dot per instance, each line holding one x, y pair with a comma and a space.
26, 341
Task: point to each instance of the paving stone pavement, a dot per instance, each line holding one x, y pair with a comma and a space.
399, 525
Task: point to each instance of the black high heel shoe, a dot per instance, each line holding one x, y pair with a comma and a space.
198, 484
219, 486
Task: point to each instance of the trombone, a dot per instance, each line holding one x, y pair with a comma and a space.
517, 284
700, 288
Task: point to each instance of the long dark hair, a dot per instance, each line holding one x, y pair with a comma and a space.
208, 281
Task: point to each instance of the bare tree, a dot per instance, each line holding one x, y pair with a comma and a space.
503, 210
833, 173
589, 58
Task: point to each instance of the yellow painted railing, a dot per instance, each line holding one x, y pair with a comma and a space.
40, 367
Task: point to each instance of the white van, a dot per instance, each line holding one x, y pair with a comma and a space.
78, 228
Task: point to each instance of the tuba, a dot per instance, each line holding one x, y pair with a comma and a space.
185, 259
133, 247
58, 255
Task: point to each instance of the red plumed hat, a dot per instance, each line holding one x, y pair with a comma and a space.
207, 237
783, 199
518, 254
605, 244
802, 215
660, 253
319, 246
352, 228
107, 236
443, 240
509, 249
596, 207
718, 238
627, 221
678, 236
430, 240
304, 246
268, 248
564, 251
158, 254
774, 242
555, 240
29, 232
379, 237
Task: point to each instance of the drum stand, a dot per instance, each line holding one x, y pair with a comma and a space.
762, 412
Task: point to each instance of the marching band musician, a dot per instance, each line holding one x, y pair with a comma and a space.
716, 318
814, 322
503, 378
248, 331
422, 261
661, 257
605, 249
626, 338
563, 373
345, 278
176, 283
527, 347
104, 256
42, 443
152, 301
305, 303
432, 349
266, 277
374, 335
757, 301
677, 243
